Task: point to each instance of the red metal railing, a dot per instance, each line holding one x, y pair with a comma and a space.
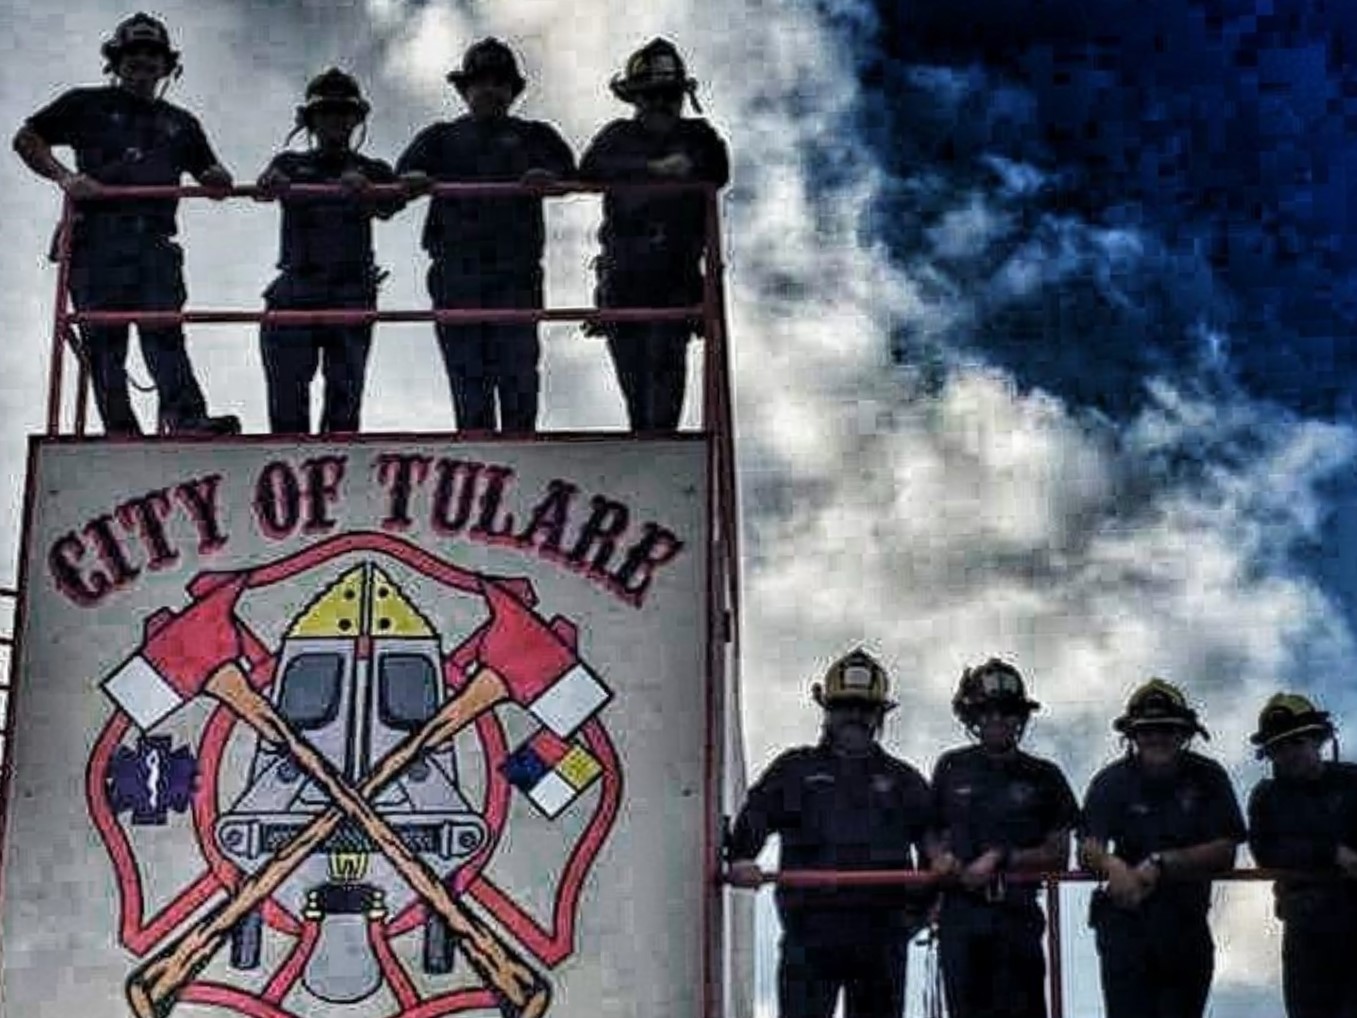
723, 592
1049, 882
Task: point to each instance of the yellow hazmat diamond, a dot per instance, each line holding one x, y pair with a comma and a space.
336, 611
578, 767
392, 612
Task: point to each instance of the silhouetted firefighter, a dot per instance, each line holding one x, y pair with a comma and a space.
653, 243
122, 255
999, 811
1158, 824
1304, 818
487, 252
325, 262
844, 804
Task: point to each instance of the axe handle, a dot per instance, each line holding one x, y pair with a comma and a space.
152, 989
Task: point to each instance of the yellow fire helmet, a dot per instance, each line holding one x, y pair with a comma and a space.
1159, 704
1285, 716
857, 677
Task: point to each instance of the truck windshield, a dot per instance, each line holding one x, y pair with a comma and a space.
311, 690
407, 690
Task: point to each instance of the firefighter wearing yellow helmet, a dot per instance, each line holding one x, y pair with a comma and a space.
1304, 818
842, 804
1157, 824
998, 810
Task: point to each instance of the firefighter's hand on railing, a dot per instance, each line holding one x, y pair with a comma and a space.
1347, 860
744, 873
218, 180
538, 177
1127, 885
945, 865
981, 870
416, 183
354, 181
80, 185
271, 183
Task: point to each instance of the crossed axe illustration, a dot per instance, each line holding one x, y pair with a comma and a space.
195, 653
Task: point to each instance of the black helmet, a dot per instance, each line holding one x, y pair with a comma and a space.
994, 683
1158, 704
332, 89
1286, 716
488, 58
655, 67
139, 30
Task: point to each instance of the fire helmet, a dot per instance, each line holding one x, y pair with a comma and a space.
1285, 716
488, 58
139, 30
1158, 704
857, 677
996, 683
332, 89
655, 67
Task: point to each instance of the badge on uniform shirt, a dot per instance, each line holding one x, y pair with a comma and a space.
882, 784
821, 778
1021, 794
962, 791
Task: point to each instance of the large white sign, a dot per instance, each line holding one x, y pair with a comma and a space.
364, 728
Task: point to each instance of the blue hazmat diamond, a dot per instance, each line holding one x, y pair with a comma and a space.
524, 768
151, 780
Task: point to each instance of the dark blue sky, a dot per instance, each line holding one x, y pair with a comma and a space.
1222, 133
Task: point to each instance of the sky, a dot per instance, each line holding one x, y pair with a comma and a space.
1041, 330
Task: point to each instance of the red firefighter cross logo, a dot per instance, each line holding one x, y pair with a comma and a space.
353, 868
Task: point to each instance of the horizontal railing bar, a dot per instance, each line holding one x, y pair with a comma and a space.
363, 316
922, 878
442, 190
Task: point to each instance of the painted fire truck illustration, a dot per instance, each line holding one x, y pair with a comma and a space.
351, 827
358, 670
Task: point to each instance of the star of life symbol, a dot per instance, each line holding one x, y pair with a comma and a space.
361, 678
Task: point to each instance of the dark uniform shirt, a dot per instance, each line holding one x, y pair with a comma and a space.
123, 139
1013, 802
1299, 824
330, 238
657, 226
1138, 814
837, 812
486, 234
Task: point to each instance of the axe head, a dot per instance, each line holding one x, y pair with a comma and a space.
541, 672
177, 657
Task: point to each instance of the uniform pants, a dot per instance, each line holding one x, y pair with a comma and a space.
1319, 972
292, 355
651, 358
992, 961
487, 361
134, 272
870, 969
652, 370
1153, 964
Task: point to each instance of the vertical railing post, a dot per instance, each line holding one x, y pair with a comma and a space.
60, 318
1056, 972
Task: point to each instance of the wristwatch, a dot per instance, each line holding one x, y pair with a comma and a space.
1156, 859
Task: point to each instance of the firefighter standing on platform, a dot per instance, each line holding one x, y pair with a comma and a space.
844, 804
652, 244
122, 254
487, 251
1157, 825
1305, 818
999, 811
326, 261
